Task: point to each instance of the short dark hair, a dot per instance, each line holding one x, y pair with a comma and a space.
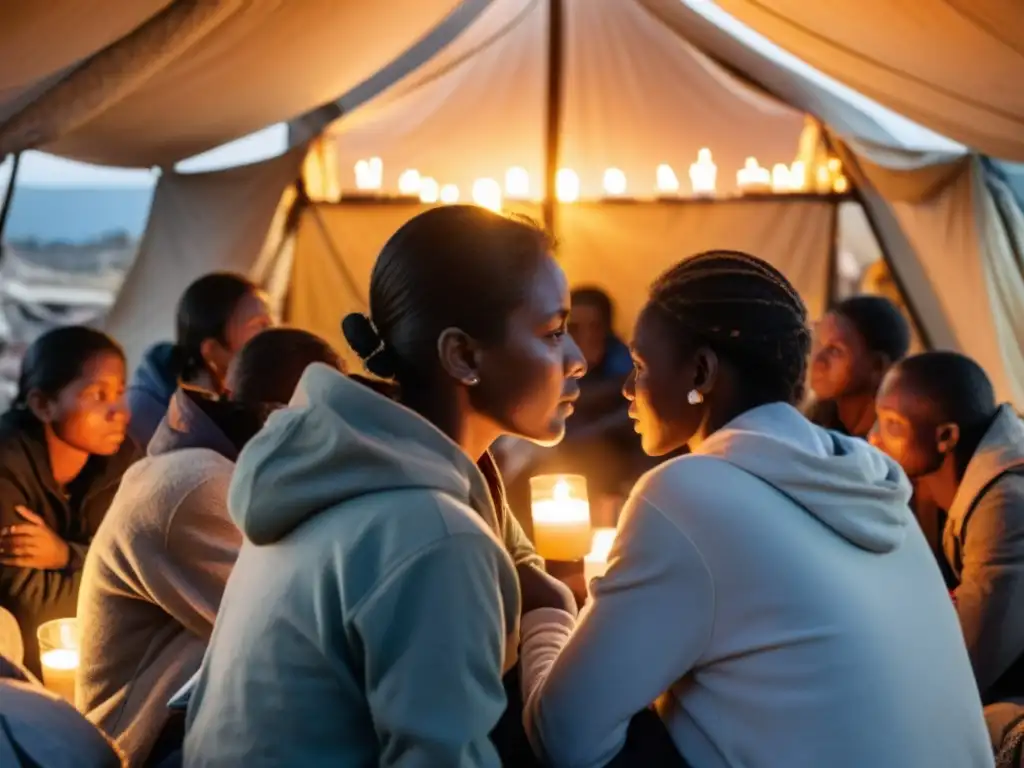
955, 387
57, 358
204, 310
748, 313
268, 368
452, 266
591, 296
879, 322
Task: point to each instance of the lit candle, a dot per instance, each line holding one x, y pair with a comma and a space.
595, 563
449, 194
667, 182
517, 183
487, 194
429, 190
58, 656
753, 178
369, 174
561, 516
840, 184
409, 183
703, 174
798, 176
780, 178
614, 182
567, 185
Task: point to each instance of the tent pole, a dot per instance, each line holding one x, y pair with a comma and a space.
5, 207
553, 132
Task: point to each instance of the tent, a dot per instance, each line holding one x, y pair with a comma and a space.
466, 90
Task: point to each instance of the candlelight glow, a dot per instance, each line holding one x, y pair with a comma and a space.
666, 179
60, 659
429, 191
780, 178
487, 194
753, 177
409, 182
703, 174
561, 516
798, 176
517, 183
614, 182
369, 174
58, 656
449, 194
567, 186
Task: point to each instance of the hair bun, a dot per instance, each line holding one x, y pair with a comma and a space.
366, 342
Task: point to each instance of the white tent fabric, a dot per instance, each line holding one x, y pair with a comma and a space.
150, 82
634, 96
619, 247
952, 65
199, 223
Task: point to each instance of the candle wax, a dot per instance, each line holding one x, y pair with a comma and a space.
561, 528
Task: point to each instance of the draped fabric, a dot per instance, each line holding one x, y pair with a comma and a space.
199, 223
150, 82
954, 66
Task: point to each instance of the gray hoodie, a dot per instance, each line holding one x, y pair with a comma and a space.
154, 577
774, 595
367, 618
984, 544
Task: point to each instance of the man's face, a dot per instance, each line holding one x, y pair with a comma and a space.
907, 428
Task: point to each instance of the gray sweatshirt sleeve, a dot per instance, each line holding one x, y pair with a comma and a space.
434, 640
648, 622
991, 590
188, 578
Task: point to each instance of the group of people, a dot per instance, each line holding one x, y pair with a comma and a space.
337, 558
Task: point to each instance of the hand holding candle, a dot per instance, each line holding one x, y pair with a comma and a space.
561, 516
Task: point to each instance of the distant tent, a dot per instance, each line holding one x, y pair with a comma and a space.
460, 91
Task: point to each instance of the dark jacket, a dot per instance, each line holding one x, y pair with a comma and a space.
150, 391
984, 544
36, 596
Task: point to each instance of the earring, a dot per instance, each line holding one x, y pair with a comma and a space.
472, 381
694, 397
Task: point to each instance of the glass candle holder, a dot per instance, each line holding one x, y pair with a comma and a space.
561, 516
58, 656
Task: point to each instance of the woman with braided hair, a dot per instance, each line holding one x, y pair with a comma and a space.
770, 591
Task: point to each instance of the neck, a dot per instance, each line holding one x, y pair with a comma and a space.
944, 482
66, 462
857, 413
446, 414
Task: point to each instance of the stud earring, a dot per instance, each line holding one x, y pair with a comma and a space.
472, 381
694, 397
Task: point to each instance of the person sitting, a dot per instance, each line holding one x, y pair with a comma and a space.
217, 314
374, 609
939, 418
63, 450
855, 344
158, 565
771, 590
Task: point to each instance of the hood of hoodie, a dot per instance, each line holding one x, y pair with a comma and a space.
340, 440
1001, 450
187, 425
852, 488
157, 374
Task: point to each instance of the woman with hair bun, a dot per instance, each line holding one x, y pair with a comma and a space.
770, 591
217, 314
375, 604
63, 450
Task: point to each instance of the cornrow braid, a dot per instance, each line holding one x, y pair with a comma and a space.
747, 312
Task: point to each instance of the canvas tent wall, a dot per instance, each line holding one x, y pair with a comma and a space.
62, 102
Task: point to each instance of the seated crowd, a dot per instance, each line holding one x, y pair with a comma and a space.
321, 568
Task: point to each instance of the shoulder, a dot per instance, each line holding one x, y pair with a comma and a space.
1001, 506
699, 480
163, 482
14, 443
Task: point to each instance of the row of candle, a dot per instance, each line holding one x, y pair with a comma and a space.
703, 174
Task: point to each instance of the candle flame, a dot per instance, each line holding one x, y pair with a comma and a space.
561, 491
60, 658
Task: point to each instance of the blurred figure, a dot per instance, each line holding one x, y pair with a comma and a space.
938, 417
216, 316
157, 568
62, 454
770, 591
855, 344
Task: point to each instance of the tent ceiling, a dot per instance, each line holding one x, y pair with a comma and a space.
635, 95
150, 82
954, 66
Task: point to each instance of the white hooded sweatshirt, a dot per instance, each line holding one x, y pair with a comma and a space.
804, 624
